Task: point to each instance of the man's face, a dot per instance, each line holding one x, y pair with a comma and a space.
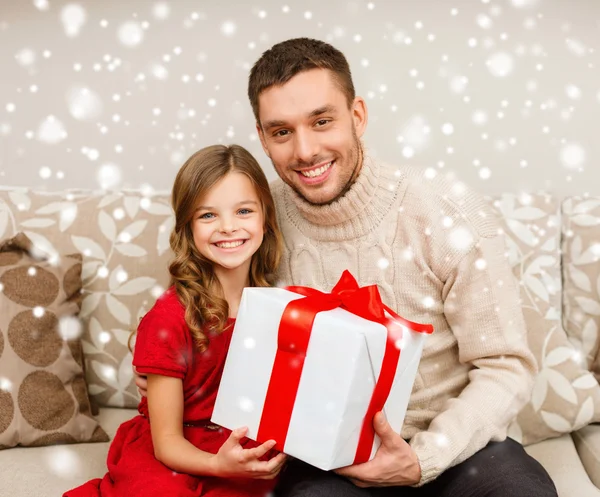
311, 136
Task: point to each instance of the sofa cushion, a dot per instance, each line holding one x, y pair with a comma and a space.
560, 460
581, 253
587, 441
43, 394
565, 396
124, 240
50, 471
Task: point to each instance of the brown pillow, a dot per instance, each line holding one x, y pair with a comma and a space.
565, 395
43, 394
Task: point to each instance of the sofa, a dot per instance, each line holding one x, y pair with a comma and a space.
121, 238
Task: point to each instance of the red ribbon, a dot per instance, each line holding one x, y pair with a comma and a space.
294, 334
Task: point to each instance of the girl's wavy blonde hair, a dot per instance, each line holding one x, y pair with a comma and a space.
192, 274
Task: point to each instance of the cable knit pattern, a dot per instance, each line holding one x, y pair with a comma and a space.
436, 252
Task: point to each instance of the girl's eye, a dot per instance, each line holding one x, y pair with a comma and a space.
206, 215
244, 211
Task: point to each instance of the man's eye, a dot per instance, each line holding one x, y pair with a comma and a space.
282, 132
322, 122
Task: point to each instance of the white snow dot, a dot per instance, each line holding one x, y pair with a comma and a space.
479, 117
51, 131
41, 4
576, 47
131, 34
454, 12
430, 173
461, 238
63, 461
447, 129
10, 107
308, 15
249, 342
572, 155
228, 28
5, 384
408, 152
285, 9
32, 271
73, 16
472, 42
246, 404
428, 302
38, 311
45, 172
159, 71
161, 10
447, 222
122, 275
69, 328
480, 264
102, 272
84, 104
383, 263
500, 64
524, 4
104, 337
212, 102
573, 92
108, 176
458, 84
25, 57
485, 173
484, 21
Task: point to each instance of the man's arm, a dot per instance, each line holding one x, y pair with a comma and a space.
483, 310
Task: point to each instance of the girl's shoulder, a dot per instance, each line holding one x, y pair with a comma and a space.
167, 305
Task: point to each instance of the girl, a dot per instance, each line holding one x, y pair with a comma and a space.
225, 238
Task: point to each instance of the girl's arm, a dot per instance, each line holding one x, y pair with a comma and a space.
165, 405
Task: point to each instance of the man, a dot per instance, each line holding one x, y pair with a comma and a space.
434, 250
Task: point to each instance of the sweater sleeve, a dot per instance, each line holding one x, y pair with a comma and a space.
482, 308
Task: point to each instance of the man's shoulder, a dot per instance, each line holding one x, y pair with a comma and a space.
429, 190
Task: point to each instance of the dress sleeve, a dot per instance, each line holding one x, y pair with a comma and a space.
163, 343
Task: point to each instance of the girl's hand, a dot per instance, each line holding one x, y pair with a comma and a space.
233, 460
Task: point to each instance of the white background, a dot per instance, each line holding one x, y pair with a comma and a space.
117, 94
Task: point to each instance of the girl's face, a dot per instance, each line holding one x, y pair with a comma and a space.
228, 223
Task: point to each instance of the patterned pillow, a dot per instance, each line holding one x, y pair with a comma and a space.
43, 394
581, 273
124, 240
565, 396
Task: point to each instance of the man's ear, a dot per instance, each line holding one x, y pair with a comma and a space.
360, 115
263, 142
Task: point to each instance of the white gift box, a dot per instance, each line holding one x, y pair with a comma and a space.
343, 362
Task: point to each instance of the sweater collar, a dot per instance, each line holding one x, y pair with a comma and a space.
357, 212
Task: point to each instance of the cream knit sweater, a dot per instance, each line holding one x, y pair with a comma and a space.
436, 252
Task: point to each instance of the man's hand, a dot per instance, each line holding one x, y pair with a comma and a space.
141, 383
394, 464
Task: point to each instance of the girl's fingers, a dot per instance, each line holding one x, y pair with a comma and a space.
236, 436
261, 450
276, 463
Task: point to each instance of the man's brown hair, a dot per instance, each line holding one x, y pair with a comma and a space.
284, 60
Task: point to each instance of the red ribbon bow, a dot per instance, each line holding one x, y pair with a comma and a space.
294, 334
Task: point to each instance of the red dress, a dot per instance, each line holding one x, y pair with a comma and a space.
164, 346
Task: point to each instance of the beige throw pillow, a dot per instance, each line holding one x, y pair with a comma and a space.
565, 396
43, 394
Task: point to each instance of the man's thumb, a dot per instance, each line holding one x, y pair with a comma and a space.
381, 426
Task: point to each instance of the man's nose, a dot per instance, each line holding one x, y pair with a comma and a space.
306, 146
